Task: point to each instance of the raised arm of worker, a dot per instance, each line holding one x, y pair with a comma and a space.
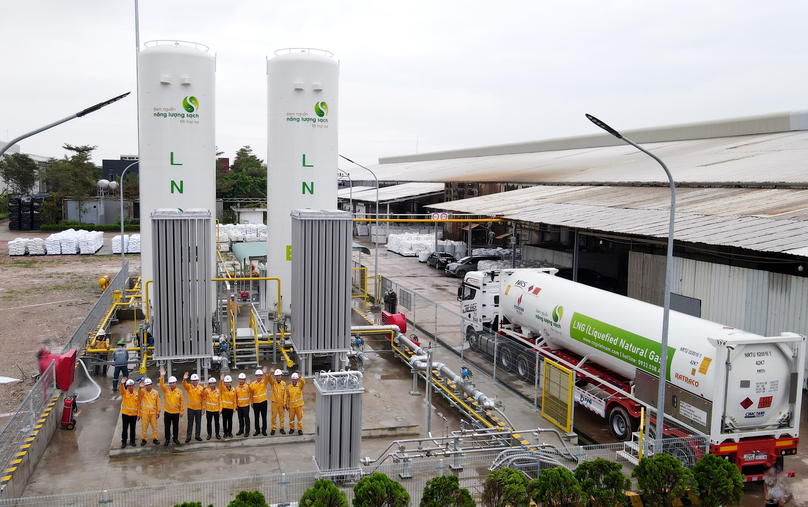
265, 380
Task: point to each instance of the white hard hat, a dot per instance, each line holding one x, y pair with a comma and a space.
295, 376
259, 372
242, 375
228, 378
194, 376
147, 382
278, 373
130, 382
211, 380
172, 379
102, 333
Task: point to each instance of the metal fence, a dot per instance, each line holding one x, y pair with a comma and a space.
96, 313
21, 425
288, 488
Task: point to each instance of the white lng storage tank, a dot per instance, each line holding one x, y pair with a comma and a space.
303, 109
177, 102
623, 334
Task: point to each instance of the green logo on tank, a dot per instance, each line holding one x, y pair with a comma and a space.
321, 109
558, 312
190, 104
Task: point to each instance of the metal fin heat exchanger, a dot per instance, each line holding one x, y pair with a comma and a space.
182, 286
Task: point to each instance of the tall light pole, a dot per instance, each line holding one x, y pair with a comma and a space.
122, 243
376, 239
663, 355
350, 192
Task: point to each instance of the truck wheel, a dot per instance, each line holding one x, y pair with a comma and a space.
522, 368
506, 358
620, 423
472, 338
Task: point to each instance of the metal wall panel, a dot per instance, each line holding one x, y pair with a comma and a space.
338, 421
321, 281
182, 286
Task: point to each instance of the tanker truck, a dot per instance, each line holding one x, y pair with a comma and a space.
738, 389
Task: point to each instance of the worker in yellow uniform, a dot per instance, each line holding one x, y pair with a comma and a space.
195, 407
213, 406
227, 396
294, 403
172, 407
149, 410
243, 399
278, 399
130, 411
258, 389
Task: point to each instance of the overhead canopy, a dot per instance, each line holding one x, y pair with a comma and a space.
396, 192
252, 249
347, 192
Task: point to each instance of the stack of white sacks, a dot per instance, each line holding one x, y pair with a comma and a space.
90, 241
52, 245
18, 246
36, 246
236, 233
134, 244
116, 243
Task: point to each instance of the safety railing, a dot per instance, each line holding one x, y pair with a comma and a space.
96, 313
22, 425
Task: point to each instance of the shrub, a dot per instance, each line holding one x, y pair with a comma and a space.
506, 487
445, 491
602, 482
249, 499
662, 479
557, 487
191, 504
324, 494
719, 482
378, 490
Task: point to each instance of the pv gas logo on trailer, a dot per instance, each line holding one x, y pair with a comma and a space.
320, 121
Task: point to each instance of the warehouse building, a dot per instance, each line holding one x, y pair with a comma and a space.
601, 206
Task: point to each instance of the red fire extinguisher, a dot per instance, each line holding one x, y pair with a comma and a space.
68, 414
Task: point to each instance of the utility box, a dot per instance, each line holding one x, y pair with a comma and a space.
183, 290
338, 424
321, 286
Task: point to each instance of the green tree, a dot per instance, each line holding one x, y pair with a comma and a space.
602, 482
719, 482
247, 163
74, 176
249, 499
557, 487
191, 504
445, 491
323, 494
378, 490
20, 173
506, 488
661, 479
240, 186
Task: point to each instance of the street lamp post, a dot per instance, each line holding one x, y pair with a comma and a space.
663, 356
122, 243
376, 239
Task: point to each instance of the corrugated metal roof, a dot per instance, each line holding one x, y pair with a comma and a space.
748, 160
396, 192
346, 191
769, 220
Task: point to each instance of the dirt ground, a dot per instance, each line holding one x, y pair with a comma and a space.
42, 301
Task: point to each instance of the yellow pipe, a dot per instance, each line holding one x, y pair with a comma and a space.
143, 364
642, 427
461, 220
147, 300
101, 351
289, 362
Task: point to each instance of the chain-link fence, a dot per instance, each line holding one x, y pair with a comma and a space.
97, 312
22, 425
471, 468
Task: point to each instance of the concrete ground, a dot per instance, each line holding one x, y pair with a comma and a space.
90, 458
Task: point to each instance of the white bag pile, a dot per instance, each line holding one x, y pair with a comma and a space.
52, 245
116, 243
89, 241
18, 246
36, 246
68, 242
362, 229
502, 252
410, 244
423, 255
235, 233
134, 244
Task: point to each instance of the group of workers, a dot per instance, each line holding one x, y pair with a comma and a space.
143, 404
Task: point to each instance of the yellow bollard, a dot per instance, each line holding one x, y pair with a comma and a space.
116, 294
